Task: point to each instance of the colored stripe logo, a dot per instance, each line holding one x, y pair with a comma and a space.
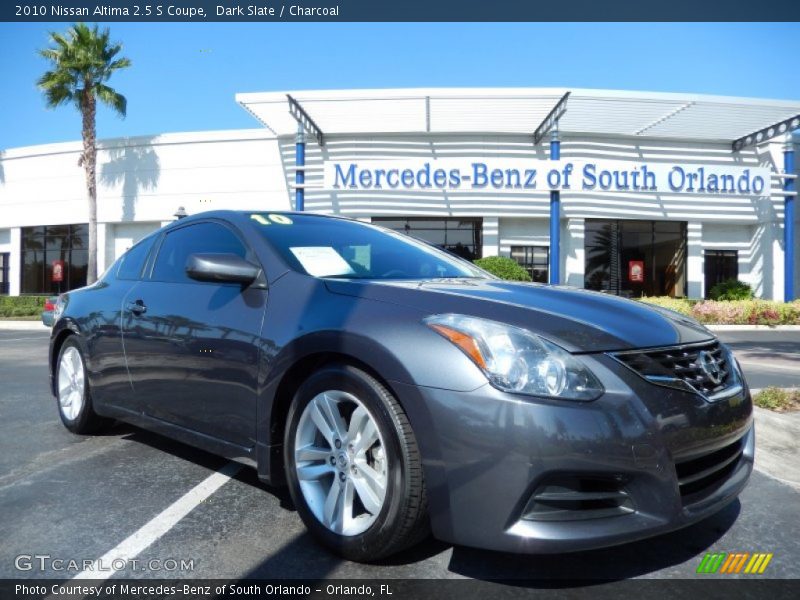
727, 563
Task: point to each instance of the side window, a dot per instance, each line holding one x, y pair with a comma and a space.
132, 261
200, 238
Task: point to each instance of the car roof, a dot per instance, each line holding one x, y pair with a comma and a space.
238, 215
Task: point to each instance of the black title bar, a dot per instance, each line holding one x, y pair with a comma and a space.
399, 10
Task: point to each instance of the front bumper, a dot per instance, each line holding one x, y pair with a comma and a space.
486, 453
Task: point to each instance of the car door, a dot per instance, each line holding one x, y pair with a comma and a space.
192, 347
104, 326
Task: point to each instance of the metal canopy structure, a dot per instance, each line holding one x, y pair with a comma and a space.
689, 117
551, 120
302, 117
785, 126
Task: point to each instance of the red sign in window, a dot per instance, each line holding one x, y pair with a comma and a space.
58, 270
636, 270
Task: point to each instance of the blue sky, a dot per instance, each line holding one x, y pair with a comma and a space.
185, 75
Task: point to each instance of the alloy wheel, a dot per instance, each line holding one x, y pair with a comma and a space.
71, 383
340, 461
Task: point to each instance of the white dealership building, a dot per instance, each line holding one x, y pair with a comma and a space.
627, 192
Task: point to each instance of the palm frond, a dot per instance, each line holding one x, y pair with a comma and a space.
59, 39
50, 54
122, 63
56, 96
110, 97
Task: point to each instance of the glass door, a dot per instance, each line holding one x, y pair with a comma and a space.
720, 265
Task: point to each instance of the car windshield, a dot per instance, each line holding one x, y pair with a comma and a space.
330, 247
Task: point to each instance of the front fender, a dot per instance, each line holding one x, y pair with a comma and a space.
389, 340
357, 346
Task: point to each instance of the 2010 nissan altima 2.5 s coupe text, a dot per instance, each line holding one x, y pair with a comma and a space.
399, 390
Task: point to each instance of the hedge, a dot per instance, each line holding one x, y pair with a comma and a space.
504, 268
21, 306
733, 312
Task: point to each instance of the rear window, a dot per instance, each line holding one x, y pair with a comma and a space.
181, 243
132, 262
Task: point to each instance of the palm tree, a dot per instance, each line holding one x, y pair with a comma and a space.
83, 59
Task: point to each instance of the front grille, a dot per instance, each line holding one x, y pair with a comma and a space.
570, 498
704, 368
702, 475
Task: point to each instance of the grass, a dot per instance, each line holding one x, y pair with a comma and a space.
777, 399
26, 318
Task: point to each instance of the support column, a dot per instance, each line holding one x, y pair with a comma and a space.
788, 220
575, 263
299, 173
15, 262
490, 237
694, 260
555, 215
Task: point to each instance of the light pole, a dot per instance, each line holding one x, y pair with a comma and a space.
555, 213
299, 163
790, 187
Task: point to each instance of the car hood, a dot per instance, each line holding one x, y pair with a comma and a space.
577, 320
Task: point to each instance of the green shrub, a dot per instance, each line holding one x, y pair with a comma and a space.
777, 399
21, 306
504, 268
731, 289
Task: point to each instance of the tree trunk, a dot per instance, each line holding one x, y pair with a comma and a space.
88, 110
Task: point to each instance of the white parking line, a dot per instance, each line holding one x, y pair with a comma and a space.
133, 545
23, 339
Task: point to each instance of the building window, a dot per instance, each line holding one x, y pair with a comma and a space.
534, 259
459, 236
720, 265
636, 258
64, 246
4, 258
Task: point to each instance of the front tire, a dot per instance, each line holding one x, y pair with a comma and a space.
353, 466
73, 396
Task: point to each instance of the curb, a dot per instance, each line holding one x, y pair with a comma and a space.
23, 326
777, 448
753, 327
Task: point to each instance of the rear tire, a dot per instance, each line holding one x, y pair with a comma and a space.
353, 466
73, 395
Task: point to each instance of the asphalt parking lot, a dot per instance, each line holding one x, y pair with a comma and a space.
80, 498
767, 357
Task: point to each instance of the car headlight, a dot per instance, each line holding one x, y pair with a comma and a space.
516, 360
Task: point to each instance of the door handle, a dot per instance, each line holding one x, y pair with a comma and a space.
137, 307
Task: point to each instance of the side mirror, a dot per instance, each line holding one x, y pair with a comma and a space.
221, 268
